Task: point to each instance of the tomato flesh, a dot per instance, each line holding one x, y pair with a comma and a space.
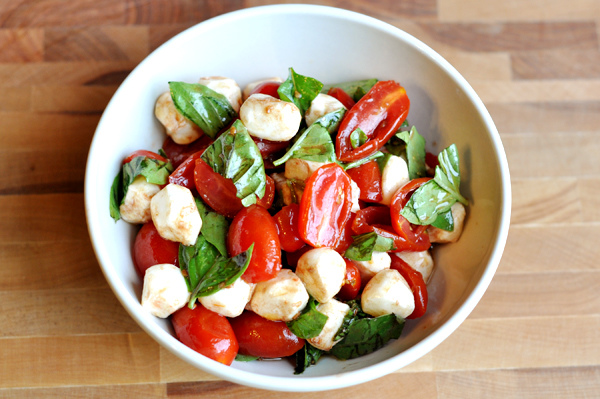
150, 249
269, 88
416, 236
177, 153
286, 221
264, 338
184, 174
368, 178
416, 284
143, 153
352, 282
217, 191
206, 332
342, 97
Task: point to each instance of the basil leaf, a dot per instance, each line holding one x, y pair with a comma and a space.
314, 144
214, 227
332, 120
300, 90
306, 357
205, 107
426, 203
364, 245
444, 221
447, 174
415, 152
195, 260
245, 358
116, 196
369, 158
310, 323
355, 89
234, 155
358, 137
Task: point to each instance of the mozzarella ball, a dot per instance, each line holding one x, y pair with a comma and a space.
355, 197
253, 85
335, 312
420, 261
178, 127
442, 236
136, 204
368, 268
269, 118
386, 293
229, 301
225, 86
165, 290
300, 169
175, 214
280, 298
322, 270
393, 176
320, 106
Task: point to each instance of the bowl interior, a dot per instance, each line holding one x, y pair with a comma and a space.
331, 45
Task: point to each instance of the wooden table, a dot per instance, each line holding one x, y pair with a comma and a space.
535, 64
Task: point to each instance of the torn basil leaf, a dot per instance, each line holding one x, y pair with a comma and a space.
369, 158
355, 89
358, 137
195, 260
245, 358
306, 357
447, 173
214, 227
444, 221
210, 110
415, 152
234, 155
300, 90
310, 323
364, 245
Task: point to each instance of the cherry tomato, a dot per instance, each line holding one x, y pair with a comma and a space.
269, 88
416, 284
267, 200
431, 160
255, 225
267, 147
184, 174
206, 332
217, 191
151, 249
178, 153
352, 282
346, 237
143, 153
378, 114
292, 257
286, 221
368, 178
415, 235
342, 97
264, 338
325, 206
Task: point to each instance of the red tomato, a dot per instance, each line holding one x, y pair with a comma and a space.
184, 174
346, 237
416, 284
368, 178
267, 200
217, 191
267, 147
325, 206
178, 153
342, 97
286, 221
269, 88
352, 282
292, 257
431, 160
264, 338
143, 153
255, 225
206, 332
151, 249
379, 114
415, 235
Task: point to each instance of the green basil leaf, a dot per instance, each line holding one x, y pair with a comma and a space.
415, 152
310, 323
314, 144
332, 120
444, 221
355, 89
214, 227
195, 260
205, 107
116, 196
447, 174
300, 90
354, 314
426, 203
306, 357
358, 137
234, 155
245, 358
364, 245
369, 158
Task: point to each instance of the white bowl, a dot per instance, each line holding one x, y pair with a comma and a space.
331, 45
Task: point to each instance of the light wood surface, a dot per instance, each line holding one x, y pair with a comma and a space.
536, 332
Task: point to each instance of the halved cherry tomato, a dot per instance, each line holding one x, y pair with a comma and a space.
416, 284
292, 257
352, 282
150, 249
346, 237
267, 200
217, 191
184, 174
368, 178
325, 206
178, 153
431, 160
415, 235
143, 153
378, 114
206, 332
255, 225
269, 88
264, 338
286, 221
268, 147
342, 97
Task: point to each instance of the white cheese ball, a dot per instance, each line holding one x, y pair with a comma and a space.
165, 290
444, 237
253, 85
420, 261
225, 86
393, 176
280, 298
136, 204
368, 268
355, 197
269, 118
301, 169
322, 270
229, 301
320, 106
335, 312
386, 293
178, 127
175, 214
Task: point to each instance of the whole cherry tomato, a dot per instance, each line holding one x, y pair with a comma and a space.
184, 174
342, 97
255, 225
151, 249
178, 153
217, 191
415, 235
378, 114
325, 206
431, 160
286, 221
206, 332
352, 282
143, 153
416, 284
292, 257
368, 178
264, 338
269, 88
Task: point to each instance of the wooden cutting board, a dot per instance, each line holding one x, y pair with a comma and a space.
536, 332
